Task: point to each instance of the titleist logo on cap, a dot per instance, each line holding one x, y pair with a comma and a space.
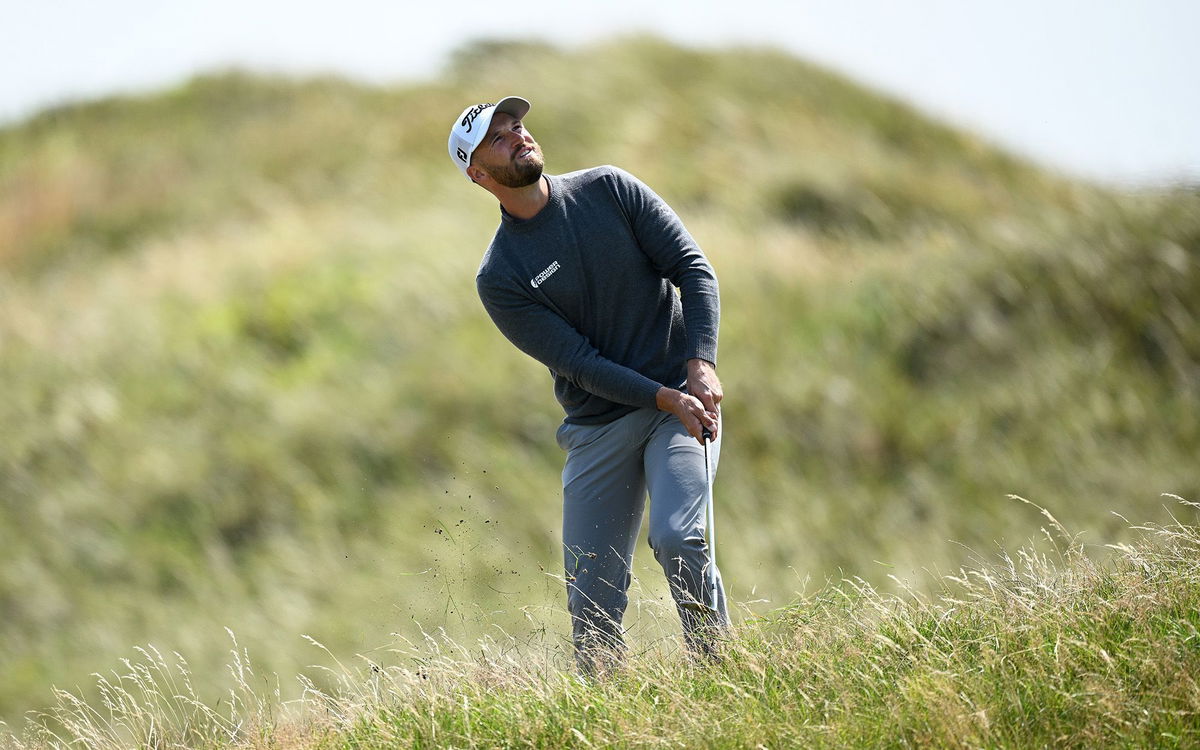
468, 120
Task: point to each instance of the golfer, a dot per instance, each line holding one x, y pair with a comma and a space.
582, 275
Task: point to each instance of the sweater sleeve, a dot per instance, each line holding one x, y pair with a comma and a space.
547, 337
678, 258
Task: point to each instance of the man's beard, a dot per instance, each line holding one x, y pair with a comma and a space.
521, 173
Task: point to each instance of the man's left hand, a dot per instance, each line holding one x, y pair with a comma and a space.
703, 383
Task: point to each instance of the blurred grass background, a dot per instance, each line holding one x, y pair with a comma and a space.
247, 383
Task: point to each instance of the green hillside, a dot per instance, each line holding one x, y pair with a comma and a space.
247, 384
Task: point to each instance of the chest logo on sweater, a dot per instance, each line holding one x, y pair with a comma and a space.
540, 279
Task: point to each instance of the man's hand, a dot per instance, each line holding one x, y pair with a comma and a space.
702, 382
698, 408
689, 410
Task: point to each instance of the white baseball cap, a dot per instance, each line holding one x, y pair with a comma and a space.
472, 125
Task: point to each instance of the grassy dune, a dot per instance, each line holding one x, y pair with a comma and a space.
247, 385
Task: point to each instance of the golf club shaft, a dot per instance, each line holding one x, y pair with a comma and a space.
710, 521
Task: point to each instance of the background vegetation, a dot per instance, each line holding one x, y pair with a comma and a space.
246, 382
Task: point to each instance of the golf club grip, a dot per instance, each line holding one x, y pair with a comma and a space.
706, 433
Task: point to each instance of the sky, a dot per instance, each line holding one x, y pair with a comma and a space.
1102, 89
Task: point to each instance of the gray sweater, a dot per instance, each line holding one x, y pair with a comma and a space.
588, 288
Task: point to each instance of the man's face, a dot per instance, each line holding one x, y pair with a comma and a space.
508, 153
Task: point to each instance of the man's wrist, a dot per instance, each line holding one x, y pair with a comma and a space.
664, 399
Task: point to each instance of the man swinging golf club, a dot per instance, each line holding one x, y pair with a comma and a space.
582, 275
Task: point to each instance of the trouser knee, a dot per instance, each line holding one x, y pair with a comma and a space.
683, 557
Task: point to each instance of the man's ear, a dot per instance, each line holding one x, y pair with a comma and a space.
476, 173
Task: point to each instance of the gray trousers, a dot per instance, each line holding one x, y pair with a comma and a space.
609, 470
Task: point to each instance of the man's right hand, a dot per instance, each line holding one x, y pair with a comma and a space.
689, 410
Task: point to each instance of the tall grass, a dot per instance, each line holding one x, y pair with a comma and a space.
1044, 646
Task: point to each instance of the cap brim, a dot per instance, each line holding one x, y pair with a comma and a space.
513, 105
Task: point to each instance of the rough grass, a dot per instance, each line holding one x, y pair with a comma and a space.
1043, 647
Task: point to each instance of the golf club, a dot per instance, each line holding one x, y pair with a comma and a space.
711, 533
711, 520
